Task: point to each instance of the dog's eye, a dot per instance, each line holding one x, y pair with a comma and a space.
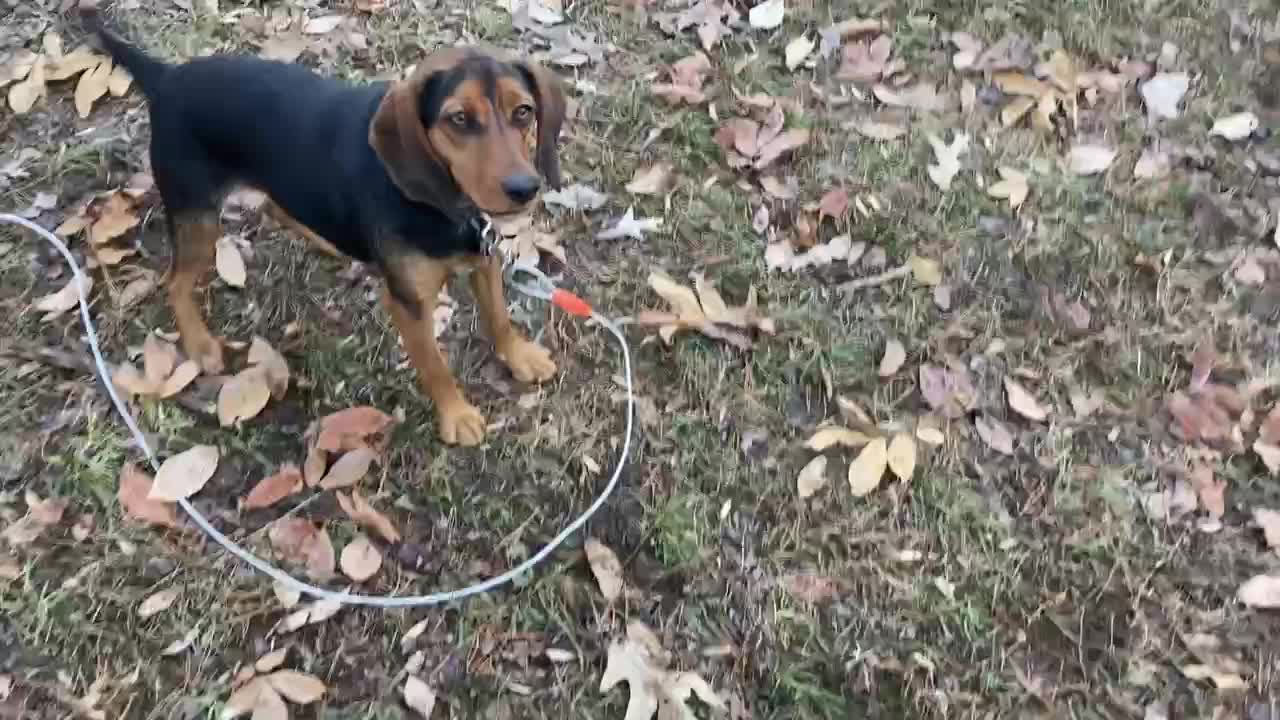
459, 119
522, 114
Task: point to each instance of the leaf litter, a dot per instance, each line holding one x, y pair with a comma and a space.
704, 311
640, 661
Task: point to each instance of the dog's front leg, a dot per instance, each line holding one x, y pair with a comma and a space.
411, 297
528, 361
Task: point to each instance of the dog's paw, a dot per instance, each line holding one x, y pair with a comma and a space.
528, 361
460, 423
206, 351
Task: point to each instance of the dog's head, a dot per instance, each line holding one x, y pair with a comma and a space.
470, 129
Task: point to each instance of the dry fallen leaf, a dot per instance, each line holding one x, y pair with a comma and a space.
274, 488
865, 61
349, 469
243, 396
630, 226
419, 696
57, 303
923, 96
767, 15
181, 377
347, 429
994, 434
360, 559
1012, 186
798, 50
23, 95
157, 602
687, 78
1211, 490
1235, 127
1269, 521
1090, 159
134, 496
654, 180
229, 263
298, 540
184, 474
92, 85
947, 390
1260, 591
812, 477
1163, 92
273, 364
704, 311
926, 271
901, 456
948, 159
881, 131
296, 687
1023, 402
358, 509
606, 568
832, 436
868, 468
42, 514
640, 661
894, 355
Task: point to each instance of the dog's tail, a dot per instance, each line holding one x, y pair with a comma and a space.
146, 70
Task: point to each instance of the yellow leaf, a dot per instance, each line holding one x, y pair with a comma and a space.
606, 568
716, 309
77, 61
1015, 83
1015, 110
23, 95
925, 271
1012, 186
813, 477
829, 436
119, 81
865, 471
902, 456
92, 85
681, 298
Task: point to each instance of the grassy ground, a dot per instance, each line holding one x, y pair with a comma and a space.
991, 586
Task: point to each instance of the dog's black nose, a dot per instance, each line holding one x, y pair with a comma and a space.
521, 188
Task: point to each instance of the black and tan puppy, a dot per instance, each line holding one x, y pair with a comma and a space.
395, 175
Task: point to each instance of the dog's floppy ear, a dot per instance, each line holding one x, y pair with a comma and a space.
548, 93
398, 134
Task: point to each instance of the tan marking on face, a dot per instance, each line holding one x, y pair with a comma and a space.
494, 146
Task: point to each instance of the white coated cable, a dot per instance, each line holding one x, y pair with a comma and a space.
345, 598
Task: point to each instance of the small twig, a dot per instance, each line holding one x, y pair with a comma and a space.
887, 276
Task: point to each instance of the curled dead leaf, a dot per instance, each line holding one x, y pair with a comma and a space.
606, 568
134, 495
358, 509
274, 488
